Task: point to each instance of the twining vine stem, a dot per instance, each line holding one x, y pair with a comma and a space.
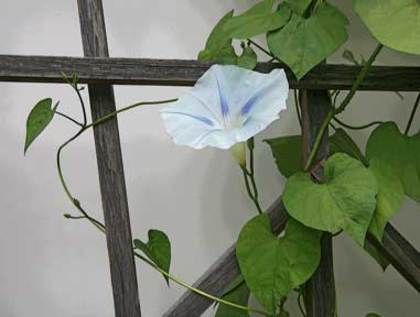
359, 127
334, 111
100, 226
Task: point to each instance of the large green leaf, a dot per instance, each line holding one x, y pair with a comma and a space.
218, 46
273, 266
394, 23
39, 118
299, 6
287, 152
304, 43
238, 293
341, 142
157, 249
345, 200
389, 199
256, 21
401, 152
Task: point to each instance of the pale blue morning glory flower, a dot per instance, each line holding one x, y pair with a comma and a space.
227, 105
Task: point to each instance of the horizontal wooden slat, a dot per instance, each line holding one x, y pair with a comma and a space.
138, 71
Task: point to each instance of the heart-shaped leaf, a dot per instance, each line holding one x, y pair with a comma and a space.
389, 199
394, 23
273, 266
238, 293
345, 200
287, 152
304, 43
157, 249
39, 118
401, 152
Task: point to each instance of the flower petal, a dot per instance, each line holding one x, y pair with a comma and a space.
227, 105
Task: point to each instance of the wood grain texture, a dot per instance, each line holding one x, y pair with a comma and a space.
111, 171
319, 291
215, 280
400, 253
140, 71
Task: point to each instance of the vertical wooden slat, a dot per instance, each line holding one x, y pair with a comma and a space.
320, 289
110, 167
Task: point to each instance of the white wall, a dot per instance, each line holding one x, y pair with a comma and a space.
51, 266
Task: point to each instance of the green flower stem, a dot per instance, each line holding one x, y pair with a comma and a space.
334, 111
412, 115
253, 196
249, 177
361, 127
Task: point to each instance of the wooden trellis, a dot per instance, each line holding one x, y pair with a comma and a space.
100, 72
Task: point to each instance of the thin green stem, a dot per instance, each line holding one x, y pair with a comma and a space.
334, 111
318, 139
251, 195
412, 115
69, 118
138, 104
262, 49
361, 127
359, 79
297, 106
200, 292
252, 175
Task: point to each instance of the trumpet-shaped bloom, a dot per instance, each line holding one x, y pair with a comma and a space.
227, 105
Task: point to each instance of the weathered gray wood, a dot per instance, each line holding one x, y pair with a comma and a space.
138, 71
400, 253
221, 273
111, 171
319, 294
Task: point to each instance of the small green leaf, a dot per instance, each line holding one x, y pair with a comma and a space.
238, 293
341, 142
248, 58
394, 23
304, 43
401, 152
273, 266
38, 119
345, 200
376, 255
299, 6
255, 22
389, 199
287, 152
157, 249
